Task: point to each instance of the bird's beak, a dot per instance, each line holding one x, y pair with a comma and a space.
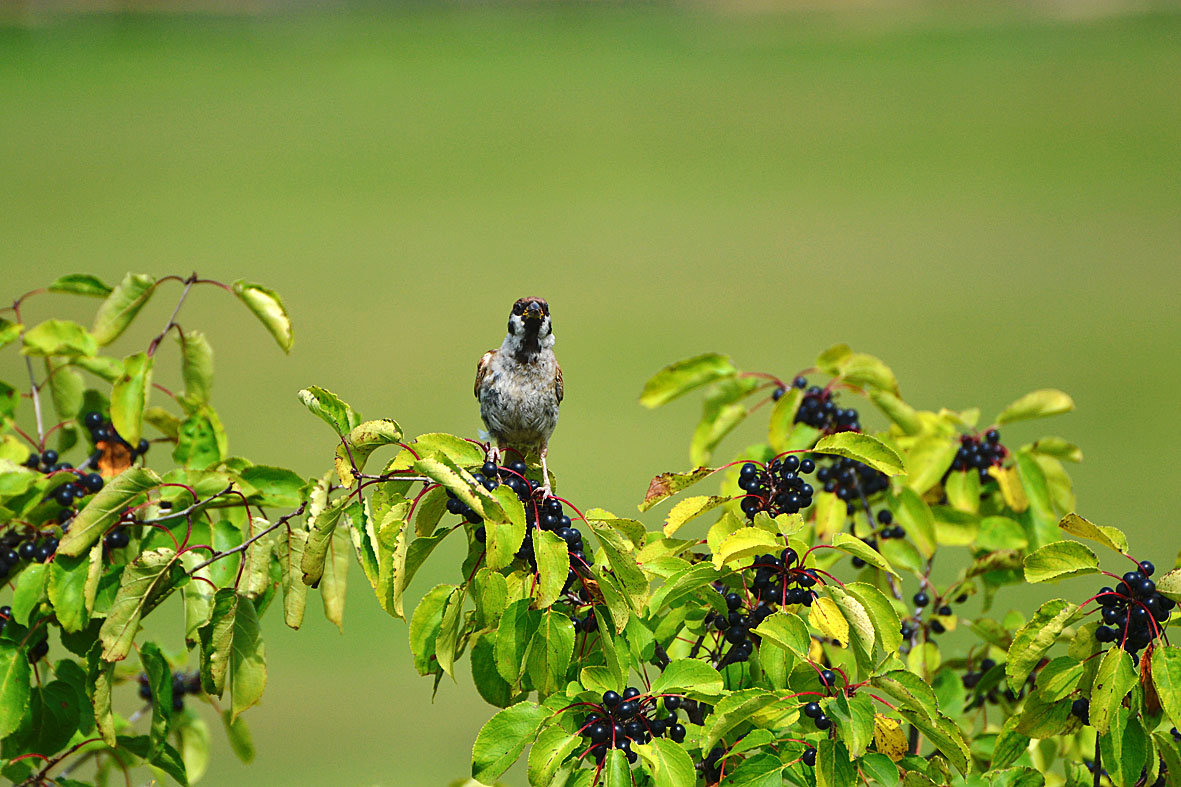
533, 312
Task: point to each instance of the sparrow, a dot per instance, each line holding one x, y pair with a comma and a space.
519, 385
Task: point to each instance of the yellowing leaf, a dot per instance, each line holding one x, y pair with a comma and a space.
888, 737
826, 617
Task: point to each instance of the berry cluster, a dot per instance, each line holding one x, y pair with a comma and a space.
37, 650
29, 546
182, 683
548, 514
735, 627
776, 488
1133, 610
818, 410
851, 480
102, 431
972, 677
628, 718
978, 455
778, 580
888, 530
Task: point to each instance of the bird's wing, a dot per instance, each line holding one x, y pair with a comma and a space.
559, 386
482, 369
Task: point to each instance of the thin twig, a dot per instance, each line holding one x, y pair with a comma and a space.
241, 547
189, 282
186, 511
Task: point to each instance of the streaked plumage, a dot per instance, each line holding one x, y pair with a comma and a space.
519, 385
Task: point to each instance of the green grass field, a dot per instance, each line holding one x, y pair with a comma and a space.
990, 202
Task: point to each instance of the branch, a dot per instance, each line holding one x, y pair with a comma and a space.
242, 547
34, 388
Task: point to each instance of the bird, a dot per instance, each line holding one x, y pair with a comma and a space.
519, 385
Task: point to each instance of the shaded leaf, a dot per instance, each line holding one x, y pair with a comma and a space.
120, 308
129, 396
80, 284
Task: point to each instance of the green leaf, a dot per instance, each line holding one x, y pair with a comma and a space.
908, 689
669, 763
334, 581
67, 585
854, 720
833, 766
80, 284
65, 387
267, 307
897, 411
1058, 679
502, 739
683, 676
295, 593
424, 627
503, 539
322, 522
145, 582
461, 483
15, 674
1009, 744
1059, 560
782, 421
550, 650
155, 666
788, 631
58, 337
690, 508
944, 734
9, 332
881, 613
100, 675
362, 441
1166, 677
120, 308
1113, 680
683, 376
30, 590
864, 448
615, 771
200, 439
552, 748
623, 563
1033, 639
129, 397
194, 745
852, 545
232, 652
734, 709
721, 413
513, 635
196, 366
744, 543
1037, 404
553, 566
666, 485
276, 486
879, 768
1110, 537
330, 408
450, 625
239, 737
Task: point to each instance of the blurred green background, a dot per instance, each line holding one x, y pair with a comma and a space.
989, 199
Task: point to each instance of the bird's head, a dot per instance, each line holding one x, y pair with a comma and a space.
529, 319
